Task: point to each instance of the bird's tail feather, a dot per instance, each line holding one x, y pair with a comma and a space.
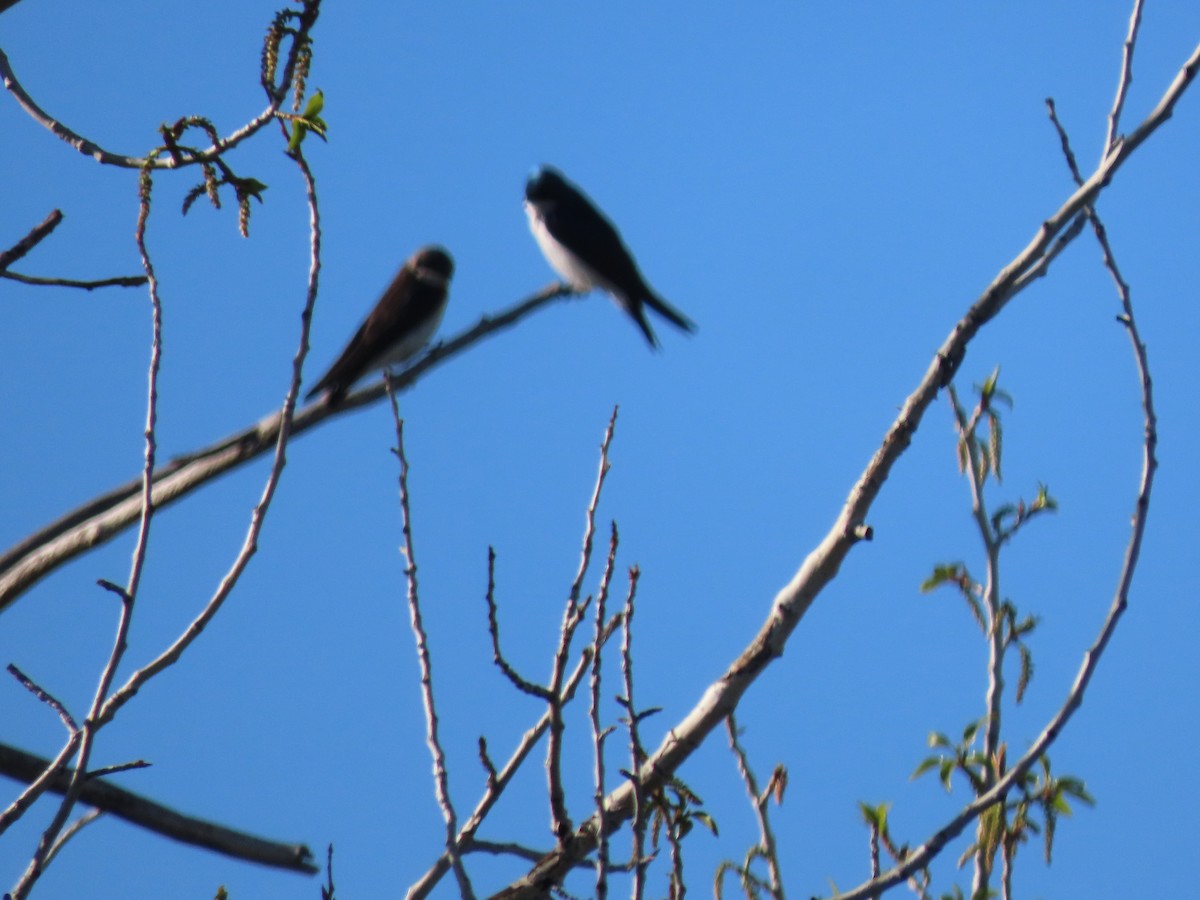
672, 315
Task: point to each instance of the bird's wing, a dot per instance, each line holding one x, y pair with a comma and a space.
405, 304
581, 228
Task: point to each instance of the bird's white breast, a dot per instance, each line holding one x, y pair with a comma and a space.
563, 261
412, 343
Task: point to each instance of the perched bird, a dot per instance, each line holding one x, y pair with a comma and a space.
585, 249
402, 322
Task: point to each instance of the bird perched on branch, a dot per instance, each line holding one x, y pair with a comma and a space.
586, 250
401, 324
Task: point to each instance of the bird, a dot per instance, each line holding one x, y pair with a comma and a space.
401, 324
584, 247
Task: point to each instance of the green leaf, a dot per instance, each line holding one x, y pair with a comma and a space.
946, 772
874, 816
924, 766
707, 821
970, 731
309, 120
315, 104
947, 572
989, 385
995, 443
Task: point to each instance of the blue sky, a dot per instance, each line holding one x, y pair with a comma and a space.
824, 189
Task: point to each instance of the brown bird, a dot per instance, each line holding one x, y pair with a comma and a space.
401, 324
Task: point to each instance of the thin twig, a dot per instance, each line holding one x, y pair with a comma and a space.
1126, 77
45, 696
758, 801
118, 281
599, 732
637, 750
250, 544
976, 472
307, 18
441, 776
35, 236
498, 781
518, 681
92, 724
71, 830
573, 614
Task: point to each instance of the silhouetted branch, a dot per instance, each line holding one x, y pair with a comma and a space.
825, 560
152, 816
118, 281
174, 157
36, 235
100, 520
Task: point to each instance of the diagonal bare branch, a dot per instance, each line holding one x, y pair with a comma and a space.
100, 520
823, 563
160, 819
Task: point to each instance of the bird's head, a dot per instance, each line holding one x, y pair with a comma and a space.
432, 263
545, 183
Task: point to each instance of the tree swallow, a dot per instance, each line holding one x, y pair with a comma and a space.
585, 249
402, 322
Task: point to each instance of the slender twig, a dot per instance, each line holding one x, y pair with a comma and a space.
823, 563
499, 780
92, 725
118, 768
105, 705
35, 236
573, 614
71, 830
249, 547
45, 696
102, 519
976, 472
441, 775
118, 281
637, 750
307, 18
758, 801
521, 683
1126, 77
599, 732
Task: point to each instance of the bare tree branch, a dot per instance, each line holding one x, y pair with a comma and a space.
498, 781
118, 281
573, 615
823, 563
441, 777
152, 816
100, 520
169, 157
600, 733
1126, 77
36, 235
921, 857
50, 841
